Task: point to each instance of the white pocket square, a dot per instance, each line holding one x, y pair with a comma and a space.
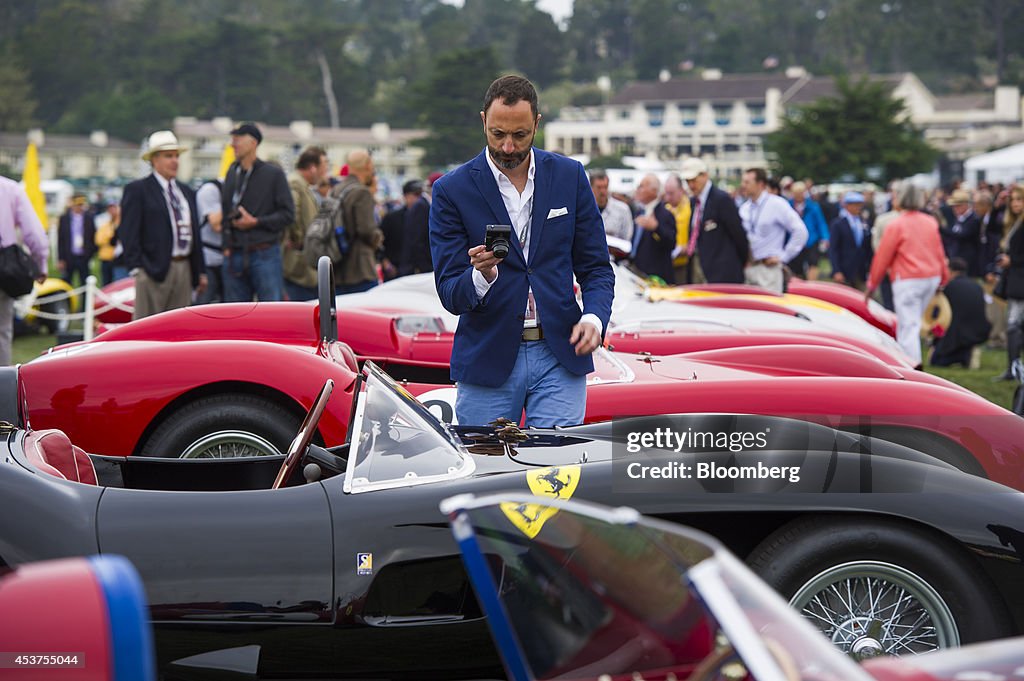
555, 212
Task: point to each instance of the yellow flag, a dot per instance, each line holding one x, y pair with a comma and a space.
226, 159
30, 177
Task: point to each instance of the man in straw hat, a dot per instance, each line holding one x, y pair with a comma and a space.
962, 237
160, 232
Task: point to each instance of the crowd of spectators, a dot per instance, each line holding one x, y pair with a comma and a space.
901, 246
898, 246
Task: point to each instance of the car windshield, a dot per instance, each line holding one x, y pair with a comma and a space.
397, 442
608, 593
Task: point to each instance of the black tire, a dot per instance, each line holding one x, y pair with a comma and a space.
55, 326
797, 560
222, 426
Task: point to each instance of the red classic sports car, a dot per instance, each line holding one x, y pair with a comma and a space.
192, 392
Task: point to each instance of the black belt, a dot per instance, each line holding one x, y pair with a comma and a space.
179, 258
533, 333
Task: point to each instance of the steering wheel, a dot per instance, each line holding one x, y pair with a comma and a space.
305, 435
325, 296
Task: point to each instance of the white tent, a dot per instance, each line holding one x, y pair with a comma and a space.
1002, 165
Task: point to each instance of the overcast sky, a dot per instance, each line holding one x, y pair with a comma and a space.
559, 9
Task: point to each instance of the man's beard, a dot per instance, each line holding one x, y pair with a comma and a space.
508, 161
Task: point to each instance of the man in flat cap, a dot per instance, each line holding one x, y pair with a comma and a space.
160, 232
257, 206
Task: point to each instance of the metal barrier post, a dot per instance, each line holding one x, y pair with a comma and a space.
88, 321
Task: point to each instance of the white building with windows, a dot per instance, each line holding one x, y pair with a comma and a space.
394, 155
724, 118
96, 158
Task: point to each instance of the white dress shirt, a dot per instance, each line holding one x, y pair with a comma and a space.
520, 212
186, 214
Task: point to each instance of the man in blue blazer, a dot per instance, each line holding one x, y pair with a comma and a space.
160, 232
850, 243
522, 341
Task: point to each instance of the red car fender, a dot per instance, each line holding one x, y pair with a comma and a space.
675, 341
84, 389
846, 297
284, 323
993, 436
741, 304
798, 360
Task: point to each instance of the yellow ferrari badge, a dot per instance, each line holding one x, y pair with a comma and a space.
558, 482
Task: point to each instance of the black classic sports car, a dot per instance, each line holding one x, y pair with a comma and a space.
336, 562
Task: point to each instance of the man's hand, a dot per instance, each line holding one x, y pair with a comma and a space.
838, 278
1003, 260
771, 261
245, 219
203, 281
42, 278
585, 337
484, 262
648, 222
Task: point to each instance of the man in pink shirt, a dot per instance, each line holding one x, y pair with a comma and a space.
16, 214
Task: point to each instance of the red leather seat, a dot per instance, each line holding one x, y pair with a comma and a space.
51, 452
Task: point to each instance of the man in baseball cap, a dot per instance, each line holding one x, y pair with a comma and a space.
257, 207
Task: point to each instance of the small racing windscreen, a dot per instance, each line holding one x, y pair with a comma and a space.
599, 594
396, 441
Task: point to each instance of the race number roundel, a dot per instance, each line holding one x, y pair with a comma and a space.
441, 403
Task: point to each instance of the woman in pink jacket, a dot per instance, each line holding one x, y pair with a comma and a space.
911, 252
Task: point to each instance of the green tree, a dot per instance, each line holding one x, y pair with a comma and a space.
17, 106
861, 131
450, 104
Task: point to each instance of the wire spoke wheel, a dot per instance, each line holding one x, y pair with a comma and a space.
871, 608
228, 444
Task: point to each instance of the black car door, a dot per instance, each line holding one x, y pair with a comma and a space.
230, 569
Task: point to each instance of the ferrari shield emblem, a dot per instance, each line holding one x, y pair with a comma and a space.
557, 483
364, 563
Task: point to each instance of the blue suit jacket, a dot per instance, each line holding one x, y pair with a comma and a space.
465, 201
846, 257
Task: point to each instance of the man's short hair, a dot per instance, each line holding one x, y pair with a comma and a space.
412, 187
511, 89
310, 157
675, 179
760, 174
596, 175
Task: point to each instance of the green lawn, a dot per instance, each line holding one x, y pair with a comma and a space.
993, 362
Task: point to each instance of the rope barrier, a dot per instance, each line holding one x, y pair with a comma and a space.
33, 304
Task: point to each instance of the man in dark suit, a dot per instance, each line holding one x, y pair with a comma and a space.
962, 235
522, 341
969, 326
850, 243
416, 239
393, 227
717, 235
160, 232
76, 240
654, 236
